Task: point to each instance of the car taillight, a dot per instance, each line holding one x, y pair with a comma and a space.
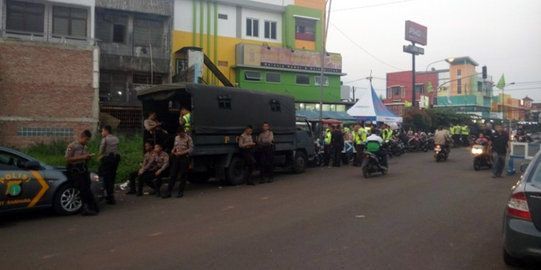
438, 146
517, 206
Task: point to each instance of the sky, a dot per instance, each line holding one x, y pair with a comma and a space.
504, 35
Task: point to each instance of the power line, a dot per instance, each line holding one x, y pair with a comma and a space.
363, 49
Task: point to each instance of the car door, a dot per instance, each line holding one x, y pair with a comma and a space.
19, 187
533, 196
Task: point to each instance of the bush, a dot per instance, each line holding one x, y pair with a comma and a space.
130, 151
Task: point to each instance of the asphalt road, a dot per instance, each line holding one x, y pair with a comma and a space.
423, 215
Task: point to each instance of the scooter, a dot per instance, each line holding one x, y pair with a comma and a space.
372, 164
481, 157
440, 154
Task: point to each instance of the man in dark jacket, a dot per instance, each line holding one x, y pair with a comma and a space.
337, 144
499, 142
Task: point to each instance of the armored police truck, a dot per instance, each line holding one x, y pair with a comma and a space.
219, 115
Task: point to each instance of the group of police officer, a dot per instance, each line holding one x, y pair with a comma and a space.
358, 134
459, 132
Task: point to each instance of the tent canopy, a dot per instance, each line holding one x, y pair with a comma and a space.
370, 108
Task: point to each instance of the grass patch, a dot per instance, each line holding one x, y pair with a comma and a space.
130, 150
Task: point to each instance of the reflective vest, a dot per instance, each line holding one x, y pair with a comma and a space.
363, 131
357, 137
465, 130
387, 134
328, 136
452, 130
187, 121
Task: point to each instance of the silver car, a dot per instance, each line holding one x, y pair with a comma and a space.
522, 218
27, 183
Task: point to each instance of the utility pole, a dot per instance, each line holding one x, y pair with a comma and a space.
413, 77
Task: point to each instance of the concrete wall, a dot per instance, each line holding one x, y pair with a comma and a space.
159, 7
45, 88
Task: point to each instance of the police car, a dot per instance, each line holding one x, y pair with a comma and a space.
27, 183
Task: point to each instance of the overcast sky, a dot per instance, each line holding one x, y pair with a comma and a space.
504, 35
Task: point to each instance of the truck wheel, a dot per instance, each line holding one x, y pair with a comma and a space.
67, 200
299, 162
236, 173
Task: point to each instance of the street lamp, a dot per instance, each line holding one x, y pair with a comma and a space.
448, 60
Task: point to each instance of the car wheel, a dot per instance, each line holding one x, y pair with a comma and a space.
236, 173
67, 200
510, 260
299, 163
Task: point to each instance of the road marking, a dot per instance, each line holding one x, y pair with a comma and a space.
230, 207
155, 234
360, 216
44, 188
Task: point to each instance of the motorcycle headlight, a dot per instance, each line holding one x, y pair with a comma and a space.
94, 177
476, 151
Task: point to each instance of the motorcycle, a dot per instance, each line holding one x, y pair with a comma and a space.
440, 154
372, 163
396, 148
481, 157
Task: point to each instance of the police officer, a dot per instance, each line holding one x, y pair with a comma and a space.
182, 148
357, 140
77, 171
185, 120
109, 162
327, 146
265, 140
247, 146
153, 169
146, 160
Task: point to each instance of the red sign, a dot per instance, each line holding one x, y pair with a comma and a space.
416, 33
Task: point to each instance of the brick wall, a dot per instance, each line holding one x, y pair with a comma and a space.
44, 88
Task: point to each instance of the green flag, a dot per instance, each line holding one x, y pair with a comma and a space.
501, 82
429, 87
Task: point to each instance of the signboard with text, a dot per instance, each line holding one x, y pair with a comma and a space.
416, 33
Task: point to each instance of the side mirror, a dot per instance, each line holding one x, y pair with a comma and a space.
523, 167
32, 165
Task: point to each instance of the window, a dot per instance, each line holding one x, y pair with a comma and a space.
305, 29
270, 30
419, 89
145, 78
479, 86
49, 132
147, 32
317, 80
303, 79
9, 161
25, 17
252, 27
252, 75
224, 102
273, 77
119, 33
69, 21
113, 87
222, 16
459, 86
396, 90
275, 105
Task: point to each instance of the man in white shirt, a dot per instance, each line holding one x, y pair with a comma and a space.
381, 153
375, 137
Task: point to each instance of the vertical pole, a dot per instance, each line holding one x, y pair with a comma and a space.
413, 103
194, 22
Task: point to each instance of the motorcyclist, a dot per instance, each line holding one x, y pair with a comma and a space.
443, 139
373, 145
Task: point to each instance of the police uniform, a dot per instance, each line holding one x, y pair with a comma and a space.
134, 175
327, 147
247, 153
265, 140
157, 165
359, 147
78, 174
180, 164
109, 164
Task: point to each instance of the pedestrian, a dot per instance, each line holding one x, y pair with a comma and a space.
153, 171
265, 142
146, 160
182, 149
337, 144
499, 142
185, 120
77, 171
109, 158
247, 146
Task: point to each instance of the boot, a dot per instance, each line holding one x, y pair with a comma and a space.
111, 200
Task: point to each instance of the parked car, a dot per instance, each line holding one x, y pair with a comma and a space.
522, 218
27, 183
